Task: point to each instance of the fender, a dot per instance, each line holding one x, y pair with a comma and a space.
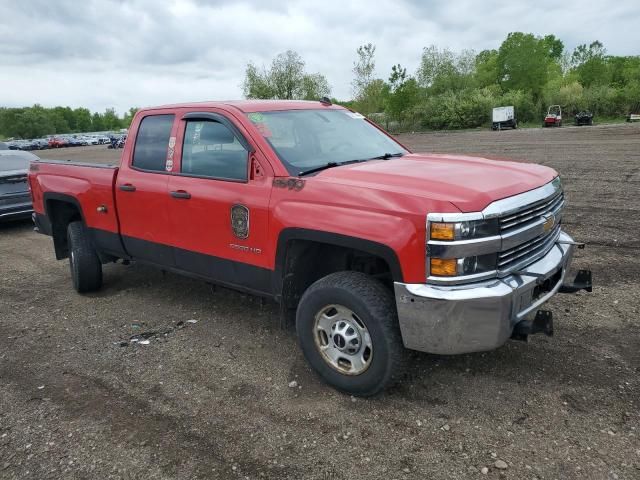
63, 197
293, 233
105, 242
59, 236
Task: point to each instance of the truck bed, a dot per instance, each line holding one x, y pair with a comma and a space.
89, 186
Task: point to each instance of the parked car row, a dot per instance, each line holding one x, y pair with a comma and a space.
58, 141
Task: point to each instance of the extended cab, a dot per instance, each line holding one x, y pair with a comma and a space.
371, 248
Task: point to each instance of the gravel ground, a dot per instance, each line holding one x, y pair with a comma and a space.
211, 398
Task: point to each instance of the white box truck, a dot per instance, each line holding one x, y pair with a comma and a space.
503, 117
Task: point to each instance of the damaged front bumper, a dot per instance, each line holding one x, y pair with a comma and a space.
482, 316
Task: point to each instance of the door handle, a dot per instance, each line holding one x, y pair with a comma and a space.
180, 194
127, 187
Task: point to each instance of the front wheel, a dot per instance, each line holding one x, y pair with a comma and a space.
86, 268
348, 330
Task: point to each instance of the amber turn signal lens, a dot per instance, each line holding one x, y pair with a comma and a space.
442, 231
444, 267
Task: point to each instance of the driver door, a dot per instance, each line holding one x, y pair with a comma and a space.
218, 203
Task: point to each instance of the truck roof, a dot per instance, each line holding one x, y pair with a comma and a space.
248, 106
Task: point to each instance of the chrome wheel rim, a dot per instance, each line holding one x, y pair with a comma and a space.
343, 340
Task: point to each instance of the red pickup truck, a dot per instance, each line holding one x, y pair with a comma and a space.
371, 249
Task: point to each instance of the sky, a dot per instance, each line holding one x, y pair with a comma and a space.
123, 53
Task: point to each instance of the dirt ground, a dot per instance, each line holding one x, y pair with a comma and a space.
211, 399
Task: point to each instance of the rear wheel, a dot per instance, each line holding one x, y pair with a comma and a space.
86, 268
348, 330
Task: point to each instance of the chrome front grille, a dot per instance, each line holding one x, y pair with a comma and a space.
528, 252
531, 213
528, 218
523, 229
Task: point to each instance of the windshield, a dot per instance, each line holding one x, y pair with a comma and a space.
308, 139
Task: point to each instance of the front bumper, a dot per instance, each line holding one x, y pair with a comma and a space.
478, 316
15, 207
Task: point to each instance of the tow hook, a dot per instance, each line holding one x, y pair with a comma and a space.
542, 323
581, 282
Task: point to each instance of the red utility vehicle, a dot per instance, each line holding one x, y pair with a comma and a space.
369, 247
553, 117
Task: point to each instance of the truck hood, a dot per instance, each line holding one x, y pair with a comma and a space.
470, 183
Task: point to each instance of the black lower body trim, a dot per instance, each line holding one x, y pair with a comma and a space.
237, 275
108, 242
222, 270
232, 274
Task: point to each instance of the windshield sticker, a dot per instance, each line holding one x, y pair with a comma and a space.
263, 129
354, 114
196, 132
256, 117
168, 166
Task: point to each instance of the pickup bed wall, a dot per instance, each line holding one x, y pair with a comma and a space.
88, 187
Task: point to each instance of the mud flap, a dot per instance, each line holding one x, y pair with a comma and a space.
542, 323
581, 282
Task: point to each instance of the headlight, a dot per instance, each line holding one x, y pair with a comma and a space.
463, 230
462, 248
455, 267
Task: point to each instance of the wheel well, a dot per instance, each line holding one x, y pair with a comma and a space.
307, 261
61, 213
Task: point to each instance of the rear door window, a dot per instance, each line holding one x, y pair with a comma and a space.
152, 141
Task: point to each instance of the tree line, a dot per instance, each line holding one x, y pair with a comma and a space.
459, 89
448, 90
38, 121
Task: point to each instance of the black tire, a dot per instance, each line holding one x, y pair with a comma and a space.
86, 268
375, 306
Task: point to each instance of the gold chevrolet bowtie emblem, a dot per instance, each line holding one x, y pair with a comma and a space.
549, 222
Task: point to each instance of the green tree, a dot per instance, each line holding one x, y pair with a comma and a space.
111, 120
82, 118
64, 119
314, 86
442, 70
403, 93
370, 94
363, 69
128, 117
590, 64
486, 68
523, 62
553, 46
97, 124
286, 79
32, 123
